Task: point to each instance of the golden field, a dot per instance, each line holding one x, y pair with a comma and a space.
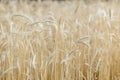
70, 40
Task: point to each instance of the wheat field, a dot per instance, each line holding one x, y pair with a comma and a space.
70, 40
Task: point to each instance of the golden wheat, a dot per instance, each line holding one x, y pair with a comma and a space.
59, 41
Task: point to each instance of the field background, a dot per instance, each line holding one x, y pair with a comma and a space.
60, 40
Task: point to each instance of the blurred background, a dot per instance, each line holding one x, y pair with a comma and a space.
60, 0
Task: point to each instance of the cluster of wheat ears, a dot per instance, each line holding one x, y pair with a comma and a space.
59, 41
